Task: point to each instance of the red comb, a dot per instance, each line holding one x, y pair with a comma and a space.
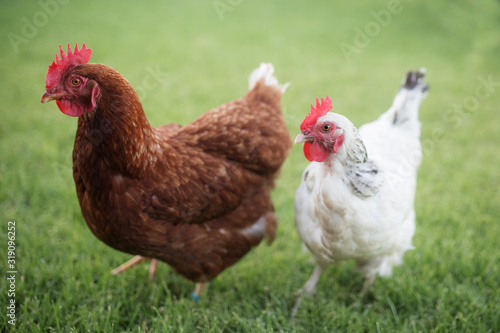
320, 110
67, 61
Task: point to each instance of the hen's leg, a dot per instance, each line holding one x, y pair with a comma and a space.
308, 288
198, 290
134, 261
368, 283
152, 269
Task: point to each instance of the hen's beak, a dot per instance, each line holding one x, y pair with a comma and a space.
47, 97
301, 138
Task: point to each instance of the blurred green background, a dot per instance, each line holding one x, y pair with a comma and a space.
187, 57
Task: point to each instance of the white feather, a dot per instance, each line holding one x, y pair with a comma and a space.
265, 71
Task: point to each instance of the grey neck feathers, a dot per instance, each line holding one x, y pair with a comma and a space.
361, 174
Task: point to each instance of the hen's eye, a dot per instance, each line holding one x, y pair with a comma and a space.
76, 82
327, 127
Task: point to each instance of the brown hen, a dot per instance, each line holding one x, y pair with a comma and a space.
196, 197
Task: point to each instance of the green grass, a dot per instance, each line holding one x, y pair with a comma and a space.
449, 283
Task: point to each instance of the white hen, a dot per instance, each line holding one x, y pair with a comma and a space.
356, 197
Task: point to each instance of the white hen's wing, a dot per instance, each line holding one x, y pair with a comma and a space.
365, 179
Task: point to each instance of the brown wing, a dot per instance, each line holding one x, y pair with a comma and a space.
250, 131
193, 186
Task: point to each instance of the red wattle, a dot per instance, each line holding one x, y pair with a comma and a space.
315, 151
70, 109
319, 152
307, 151
77, 109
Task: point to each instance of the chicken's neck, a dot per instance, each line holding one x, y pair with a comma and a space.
119, 134
351, 154
351, 164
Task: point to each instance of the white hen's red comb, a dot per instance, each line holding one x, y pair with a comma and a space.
67, 61
320, 110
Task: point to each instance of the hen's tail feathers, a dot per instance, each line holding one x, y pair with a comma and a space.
265, 72
408, 99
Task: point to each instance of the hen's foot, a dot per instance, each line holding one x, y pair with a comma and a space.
134, 261
199, 289
308, 289
368, 283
